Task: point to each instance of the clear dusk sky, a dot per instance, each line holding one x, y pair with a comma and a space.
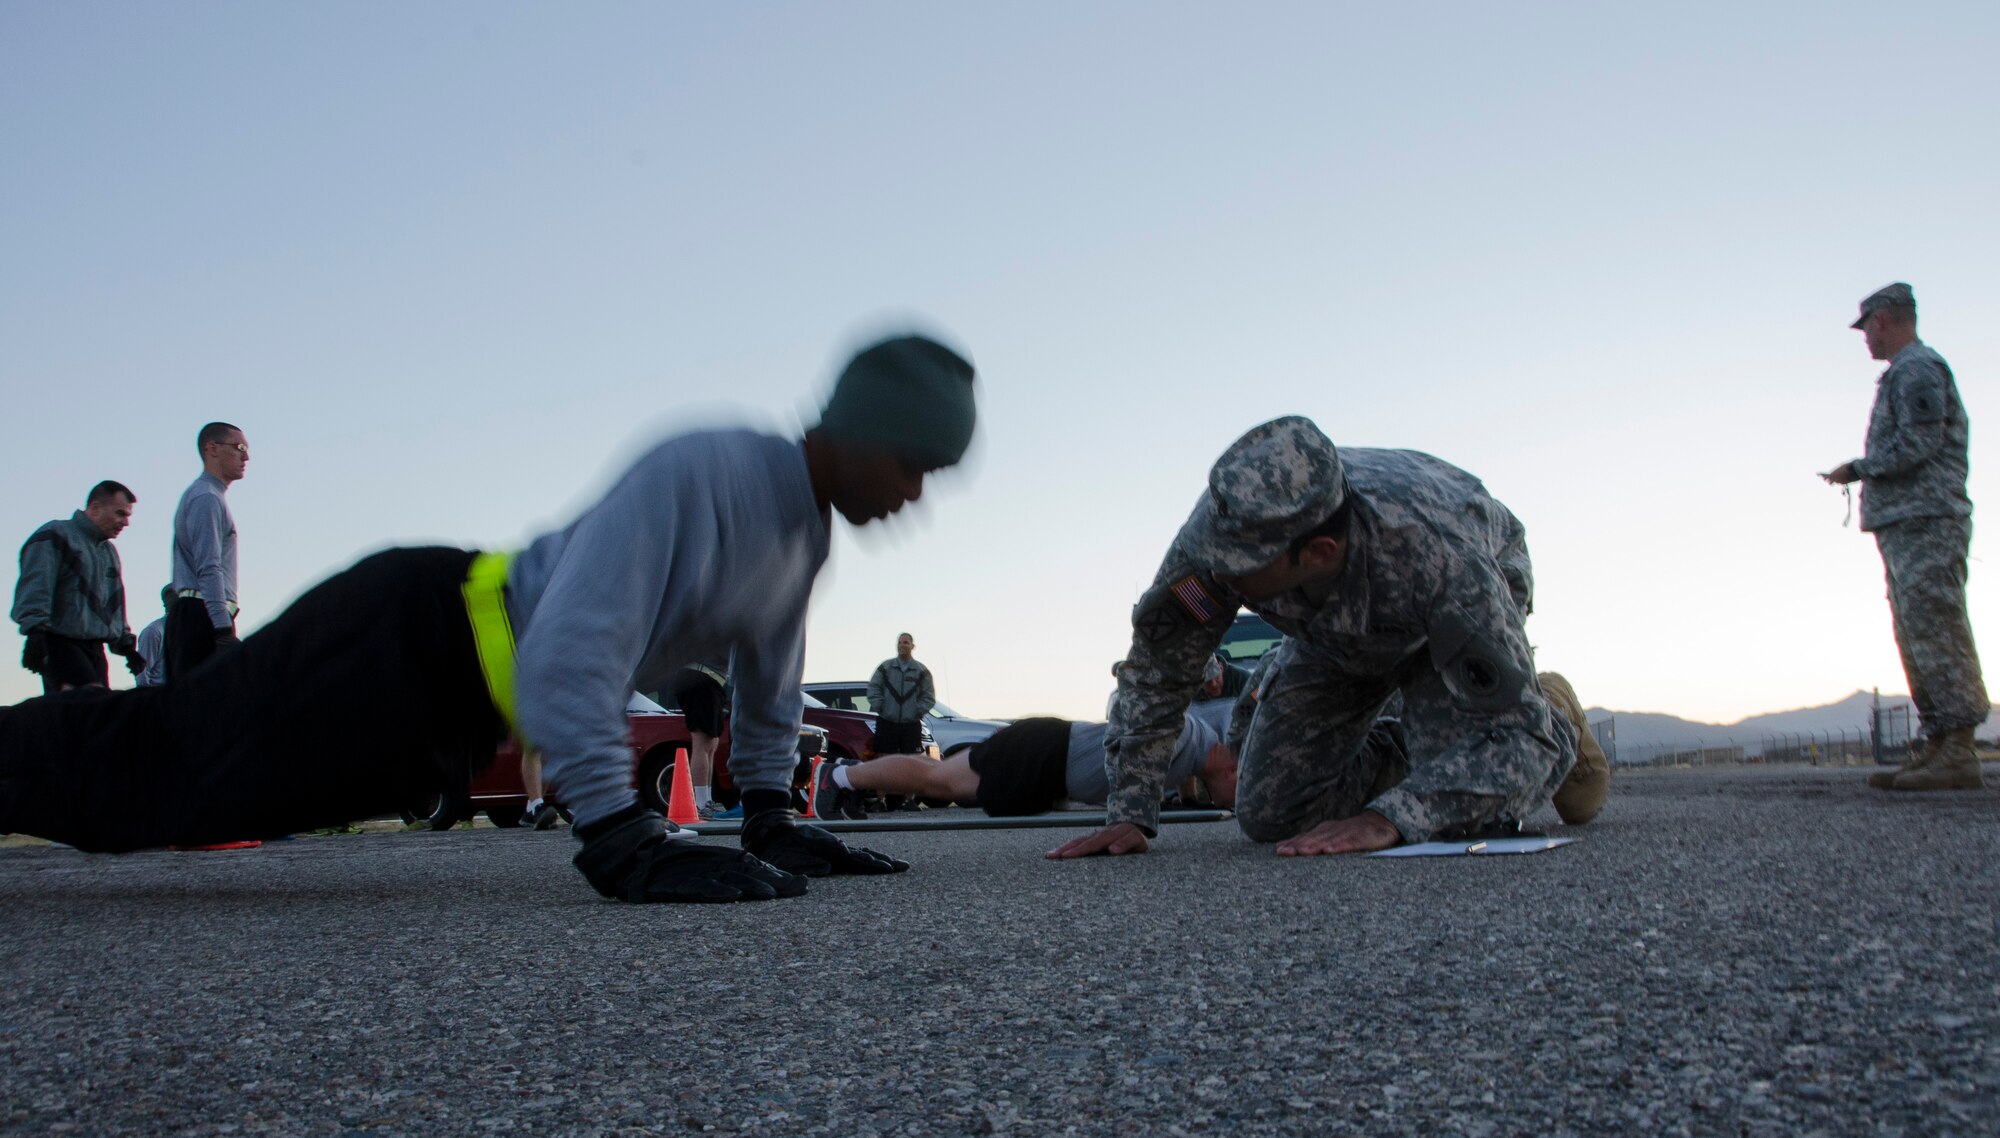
451, 265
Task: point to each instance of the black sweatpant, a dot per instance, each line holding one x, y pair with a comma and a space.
73, 663
363, 695
190, 636
893, 738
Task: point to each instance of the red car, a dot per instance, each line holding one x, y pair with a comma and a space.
657, 737
845, 734
848, 735
851, 736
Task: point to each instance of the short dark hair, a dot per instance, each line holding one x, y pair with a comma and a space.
1335, 527
214, 433
1901, 314
106, 489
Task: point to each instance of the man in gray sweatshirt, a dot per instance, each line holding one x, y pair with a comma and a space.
708, 546
202, 619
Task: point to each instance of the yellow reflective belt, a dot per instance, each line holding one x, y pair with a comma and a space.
485, 592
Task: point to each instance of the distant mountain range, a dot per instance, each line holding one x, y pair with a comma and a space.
1638, 730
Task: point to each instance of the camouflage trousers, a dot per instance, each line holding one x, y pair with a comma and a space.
1313, 752
1924, 561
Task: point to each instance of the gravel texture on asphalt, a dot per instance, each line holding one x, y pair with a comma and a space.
1759, 951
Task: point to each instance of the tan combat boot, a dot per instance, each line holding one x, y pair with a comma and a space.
1886, 780
1584, 790
1949, 763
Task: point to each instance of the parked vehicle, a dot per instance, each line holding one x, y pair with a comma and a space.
658, 739
850, 732
1248, 639
944, 728
813, 741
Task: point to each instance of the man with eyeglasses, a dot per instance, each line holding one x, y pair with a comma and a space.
202, 618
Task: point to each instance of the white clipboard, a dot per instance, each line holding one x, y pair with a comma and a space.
1475, 849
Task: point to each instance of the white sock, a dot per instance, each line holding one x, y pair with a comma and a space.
701, 795
534, 806
841, 779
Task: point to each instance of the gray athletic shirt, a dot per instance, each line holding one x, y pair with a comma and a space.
1085, 776
707, 547
205, 547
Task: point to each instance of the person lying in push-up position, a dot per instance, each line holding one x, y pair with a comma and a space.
1027, 767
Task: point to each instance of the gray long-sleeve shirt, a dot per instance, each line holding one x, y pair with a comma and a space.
1085, 775
706, 547
205, 548
72, 583
1918, 438
901, 690
153, 649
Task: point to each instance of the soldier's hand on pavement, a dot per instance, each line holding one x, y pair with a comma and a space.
1841, 475
1121, 838
1363, 833
776, 837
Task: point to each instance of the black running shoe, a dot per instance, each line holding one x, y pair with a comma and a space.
828, 795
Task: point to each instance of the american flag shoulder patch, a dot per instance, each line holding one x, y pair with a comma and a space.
1195, 599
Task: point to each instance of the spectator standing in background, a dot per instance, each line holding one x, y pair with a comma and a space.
1913, 500
900, 693
153, 645
70, 599
202, 619
697, 691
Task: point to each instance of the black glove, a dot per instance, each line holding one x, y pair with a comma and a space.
629, 856
777, 837
128, 647
35, 653
226, 638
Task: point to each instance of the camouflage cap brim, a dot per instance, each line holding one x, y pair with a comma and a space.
1214, 549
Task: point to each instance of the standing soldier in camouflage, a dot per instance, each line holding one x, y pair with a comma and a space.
1387, 571
1913, 500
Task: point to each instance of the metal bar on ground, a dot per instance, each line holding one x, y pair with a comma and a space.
887, 824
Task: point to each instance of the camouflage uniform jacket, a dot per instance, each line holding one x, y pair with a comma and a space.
1915, 465
1437, 579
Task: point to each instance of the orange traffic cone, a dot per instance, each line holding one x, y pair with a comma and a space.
680, 806
812, 790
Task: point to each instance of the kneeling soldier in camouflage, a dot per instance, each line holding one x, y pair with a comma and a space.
1388, 571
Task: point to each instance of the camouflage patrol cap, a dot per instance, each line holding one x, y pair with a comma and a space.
1898, 295
1276, 482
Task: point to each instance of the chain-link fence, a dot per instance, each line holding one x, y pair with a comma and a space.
1886, 739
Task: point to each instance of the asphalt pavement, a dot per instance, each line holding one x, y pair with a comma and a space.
1760, 951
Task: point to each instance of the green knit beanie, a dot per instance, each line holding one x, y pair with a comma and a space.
911, 395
